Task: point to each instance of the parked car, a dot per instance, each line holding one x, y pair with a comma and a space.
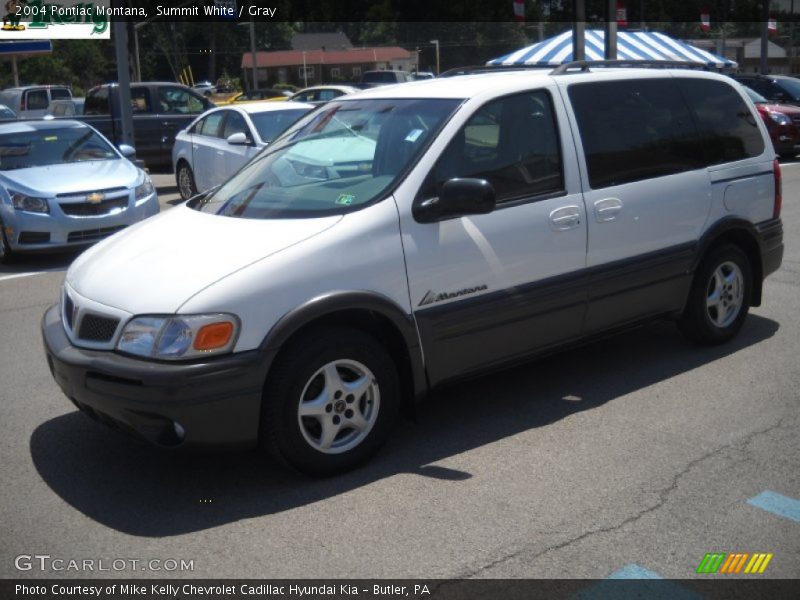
422, 75
204, 87
371, 79
160, 111
780, 89
221, 141
259, 96
31, 101
782, 121
63, 185
391, 242
6, 114
320, 94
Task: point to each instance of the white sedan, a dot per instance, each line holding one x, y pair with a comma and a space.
221, 141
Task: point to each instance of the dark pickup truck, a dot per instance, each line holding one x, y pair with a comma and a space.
160, 110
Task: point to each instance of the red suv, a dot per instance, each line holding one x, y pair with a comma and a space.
783, 123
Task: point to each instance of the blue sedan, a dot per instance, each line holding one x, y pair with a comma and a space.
63, 185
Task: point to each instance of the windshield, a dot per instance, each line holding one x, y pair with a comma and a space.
754, 96
270, 124
52, 146
342, 156
790, 86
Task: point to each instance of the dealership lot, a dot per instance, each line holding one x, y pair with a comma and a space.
636, 452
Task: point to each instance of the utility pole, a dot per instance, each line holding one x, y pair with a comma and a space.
253, 50
764, 66
123, 81
579, 30
611, 30
436, 43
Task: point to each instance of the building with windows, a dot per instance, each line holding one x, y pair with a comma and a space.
303, 68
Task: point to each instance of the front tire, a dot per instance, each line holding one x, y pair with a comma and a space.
719, 298
185, 180
330, 401
6, 255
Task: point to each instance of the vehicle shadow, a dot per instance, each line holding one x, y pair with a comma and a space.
144, 491
25, 263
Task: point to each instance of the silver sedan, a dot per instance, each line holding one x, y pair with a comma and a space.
62, 185
221, 141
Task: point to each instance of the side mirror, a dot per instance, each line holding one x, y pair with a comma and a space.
127, 151
459, 197
238, 139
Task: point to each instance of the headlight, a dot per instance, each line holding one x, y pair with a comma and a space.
145, 189
780, 118
29, 203
179, 337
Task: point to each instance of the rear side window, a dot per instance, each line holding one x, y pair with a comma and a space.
36, 99
211, 123
511, 142
60, 94
97, 102
634, 130
140, 100
727, 126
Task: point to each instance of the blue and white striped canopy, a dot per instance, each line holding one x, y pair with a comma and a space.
631, 45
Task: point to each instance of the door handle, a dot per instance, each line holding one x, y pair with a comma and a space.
565, 218
607, 209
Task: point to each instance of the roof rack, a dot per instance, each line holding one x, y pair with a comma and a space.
491, 69
583, 66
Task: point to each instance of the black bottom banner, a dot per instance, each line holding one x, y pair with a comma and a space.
413, 589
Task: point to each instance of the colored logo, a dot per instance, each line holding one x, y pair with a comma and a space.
734, 563
95, 198
345, 199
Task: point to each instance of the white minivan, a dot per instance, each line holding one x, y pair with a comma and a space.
414, 235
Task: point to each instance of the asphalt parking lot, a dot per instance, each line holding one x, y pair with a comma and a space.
636, 454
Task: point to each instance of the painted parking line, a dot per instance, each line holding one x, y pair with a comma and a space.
634, 581
29, 274
777, 504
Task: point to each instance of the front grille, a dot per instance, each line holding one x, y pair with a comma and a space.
86, 193
85, 209
69, 309
33, 237
91, 235
95, 328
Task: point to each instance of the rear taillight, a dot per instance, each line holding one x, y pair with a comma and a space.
776, 173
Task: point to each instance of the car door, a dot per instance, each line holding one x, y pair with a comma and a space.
490, 288
147, 131
177, 107
236, 156
208, 159
647, 195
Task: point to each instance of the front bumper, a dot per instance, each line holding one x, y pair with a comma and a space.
209, 403
62, 231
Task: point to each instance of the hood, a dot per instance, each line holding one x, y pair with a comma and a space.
85, 176
157, 265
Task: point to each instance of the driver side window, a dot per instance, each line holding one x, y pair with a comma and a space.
511, 142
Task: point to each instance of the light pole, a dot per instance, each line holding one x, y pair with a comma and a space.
436, 43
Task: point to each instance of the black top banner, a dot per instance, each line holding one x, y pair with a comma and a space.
527, 11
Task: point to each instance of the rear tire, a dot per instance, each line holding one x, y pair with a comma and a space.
185, 180
719, 297
330, 401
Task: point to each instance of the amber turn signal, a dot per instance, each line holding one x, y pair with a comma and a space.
213, 336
